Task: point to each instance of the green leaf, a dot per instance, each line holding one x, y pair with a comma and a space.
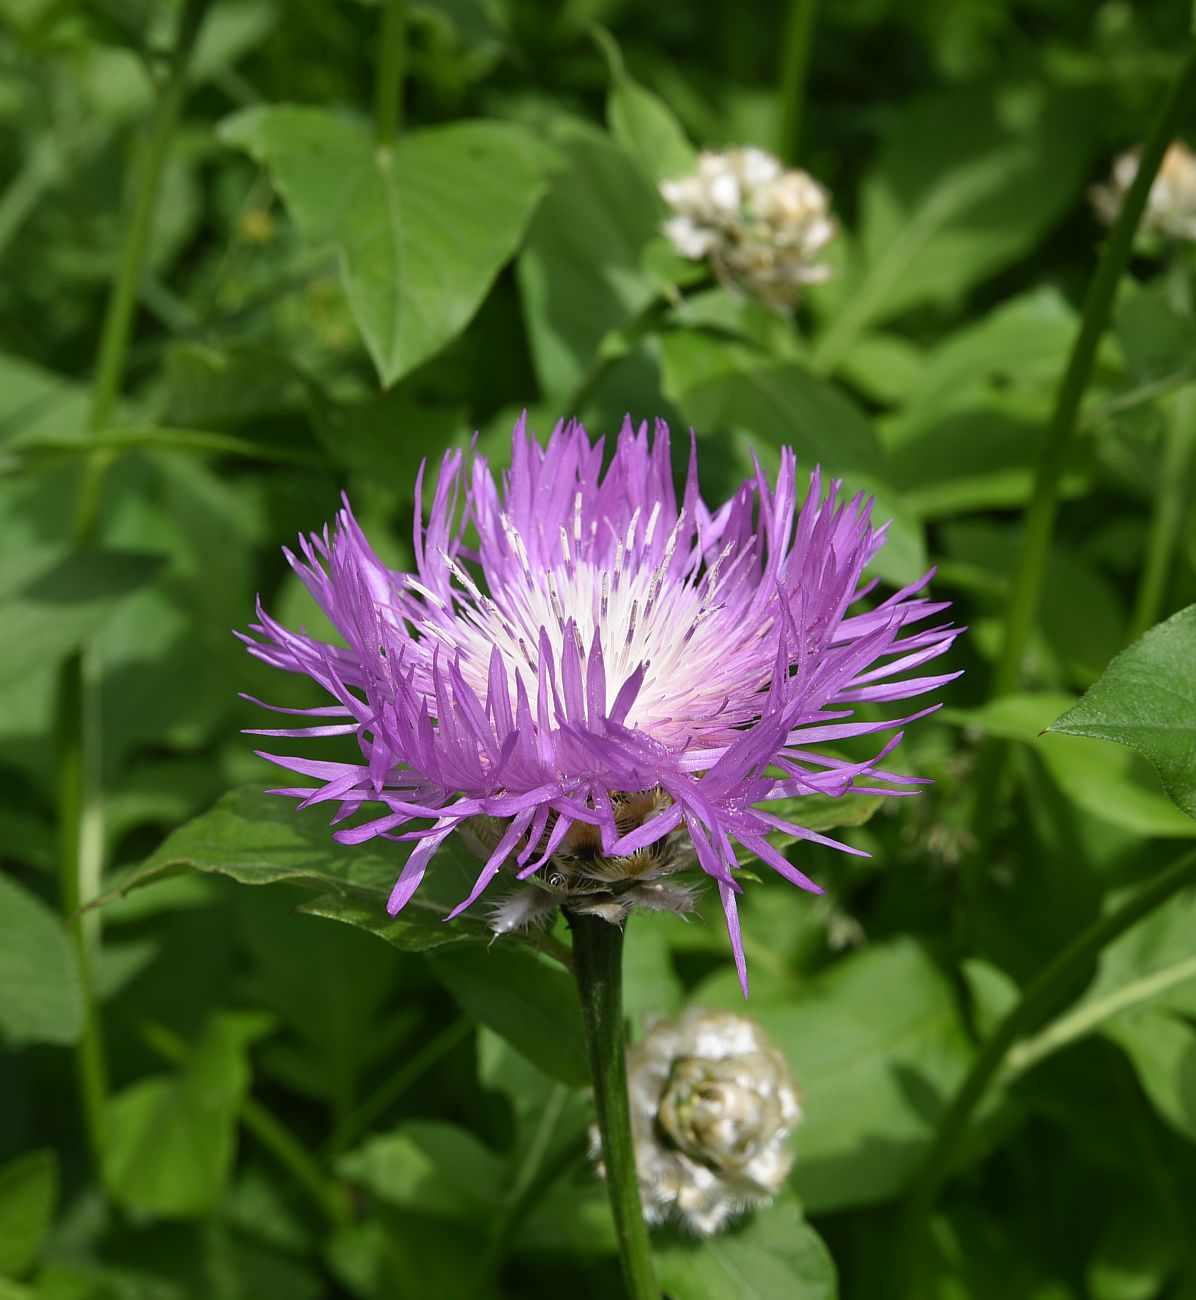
259, 839
171, 1139
1147, 700
41, 999
580, 272
968, 181
520, 996
421, 233
53, 600
28, 1190
1103, 781
642, 123
1162, 1047
430, 1166
773, 1253
877, 1046
722, 385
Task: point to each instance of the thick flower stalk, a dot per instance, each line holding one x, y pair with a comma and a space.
600, 681
759, 226
712, 1106
1170, 213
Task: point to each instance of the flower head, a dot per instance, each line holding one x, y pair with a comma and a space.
612, 682
712, 1106
1171, 204
761, 227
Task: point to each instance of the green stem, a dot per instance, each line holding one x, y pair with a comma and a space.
1025, 590
795, 67
1039, 998
598, 967
1171, 503
392, 65
391, 1089
1039, 521
80, 806
292, 1154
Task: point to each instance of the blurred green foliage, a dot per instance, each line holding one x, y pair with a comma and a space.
299, 1110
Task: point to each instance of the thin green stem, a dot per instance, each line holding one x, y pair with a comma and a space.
1037, 1001
1026, 589
392, 66
392, 1088
533, 1181
1170, 507
292, 1154
80, 793
598, 967
795, 67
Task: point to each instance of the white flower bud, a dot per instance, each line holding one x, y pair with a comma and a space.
712, 1107
1171, 204
761, 227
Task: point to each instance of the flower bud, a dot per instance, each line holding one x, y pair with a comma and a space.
761, 227
1171, 204
712, 1107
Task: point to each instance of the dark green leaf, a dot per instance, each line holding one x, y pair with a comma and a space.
522, 997
259, 839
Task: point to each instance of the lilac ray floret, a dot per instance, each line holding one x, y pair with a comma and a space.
611, 670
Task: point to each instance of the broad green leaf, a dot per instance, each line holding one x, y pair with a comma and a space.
28, 1190
41, 1000
520, 996
1135, 1255
421, 233
967, 182
171, 1139
53, 600
259, 839
1103, 781
1162, 1047
877, 1046
1147, 700
580, 272
430, 1166
773, 1253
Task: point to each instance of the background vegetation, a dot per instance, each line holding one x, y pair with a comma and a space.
224, 1095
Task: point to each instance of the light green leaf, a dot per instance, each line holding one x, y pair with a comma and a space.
773, 1253
877, 1045
28, 1190
518, 994
53, 600
259, 839
1162, 1047
1100, 779
421, 233
642, 123
580, 271
171, 1139
40, 995
1147, 700
430, 1166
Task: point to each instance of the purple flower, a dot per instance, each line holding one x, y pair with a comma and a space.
613, 683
